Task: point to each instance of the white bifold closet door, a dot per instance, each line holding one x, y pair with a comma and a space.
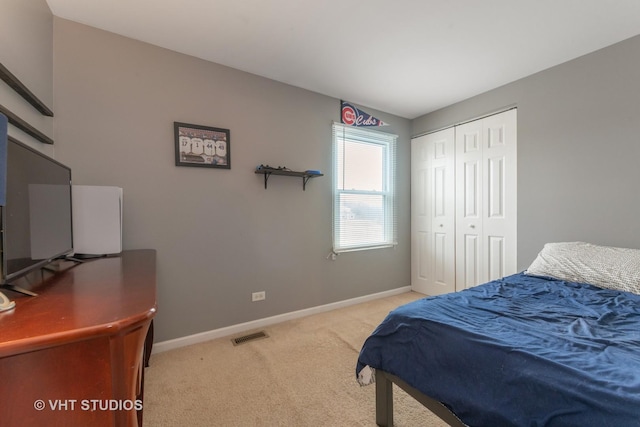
433, 213
464, 205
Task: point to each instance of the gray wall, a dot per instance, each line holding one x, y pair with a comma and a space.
219, 234
578, 148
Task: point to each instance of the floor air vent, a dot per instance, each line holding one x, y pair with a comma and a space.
251, 337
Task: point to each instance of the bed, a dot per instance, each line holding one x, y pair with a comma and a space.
555, 345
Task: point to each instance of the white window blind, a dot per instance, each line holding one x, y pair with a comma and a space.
364, 212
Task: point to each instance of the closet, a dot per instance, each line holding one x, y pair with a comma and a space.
463, 204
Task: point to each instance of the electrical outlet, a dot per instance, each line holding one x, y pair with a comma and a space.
258, 296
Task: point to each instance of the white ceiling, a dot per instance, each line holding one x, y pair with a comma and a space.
405, 57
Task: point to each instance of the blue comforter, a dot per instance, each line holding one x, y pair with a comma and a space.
519, 351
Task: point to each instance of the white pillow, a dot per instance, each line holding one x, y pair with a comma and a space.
602, 266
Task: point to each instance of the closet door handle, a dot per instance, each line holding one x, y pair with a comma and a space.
472, 226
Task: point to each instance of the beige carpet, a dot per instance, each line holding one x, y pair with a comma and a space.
303, 374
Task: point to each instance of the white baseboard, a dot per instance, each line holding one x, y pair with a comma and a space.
260, 323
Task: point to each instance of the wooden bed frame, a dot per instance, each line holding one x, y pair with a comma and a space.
384, 401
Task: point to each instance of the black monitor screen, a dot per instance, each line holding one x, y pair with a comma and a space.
37, 214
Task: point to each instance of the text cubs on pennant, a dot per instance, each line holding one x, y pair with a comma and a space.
352, 116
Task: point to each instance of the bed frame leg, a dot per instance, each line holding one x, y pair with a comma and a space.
384, 400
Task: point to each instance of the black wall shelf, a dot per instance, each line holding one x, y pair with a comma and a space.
306, 176
24, 126
14, 83
21, 89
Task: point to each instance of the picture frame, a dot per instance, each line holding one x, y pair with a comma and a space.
202, 146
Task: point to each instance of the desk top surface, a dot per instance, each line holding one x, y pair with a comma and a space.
103, 296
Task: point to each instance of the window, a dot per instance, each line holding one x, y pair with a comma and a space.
364, 211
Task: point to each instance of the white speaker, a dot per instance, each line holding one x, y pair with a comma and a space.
97, 220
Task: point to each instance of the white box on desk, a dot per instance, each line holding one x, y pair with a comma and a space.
97, 220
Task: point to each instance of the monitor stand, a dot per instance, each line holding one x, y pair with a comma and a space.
19, 290
49, 267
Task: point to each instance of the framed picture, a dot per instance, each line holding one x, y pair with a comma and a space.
202, 146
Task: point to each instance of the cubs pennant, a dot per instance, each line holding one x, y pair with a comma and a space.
352, 116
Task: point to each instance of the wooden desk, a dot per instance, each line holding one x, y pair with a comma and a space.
77, 348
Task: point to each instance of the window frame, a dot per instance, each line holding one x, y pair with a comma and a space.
342, 134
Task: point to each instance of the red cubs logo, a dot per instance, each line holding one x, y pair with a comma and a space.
349, 115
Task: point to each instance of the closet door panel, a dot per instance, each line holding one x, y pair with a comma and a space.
440, 273
471, 190
496, 257
469, 196
500, 202
470, 271
421, 265
469, 170
442, 166
433, 154
423, 271
495, 188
